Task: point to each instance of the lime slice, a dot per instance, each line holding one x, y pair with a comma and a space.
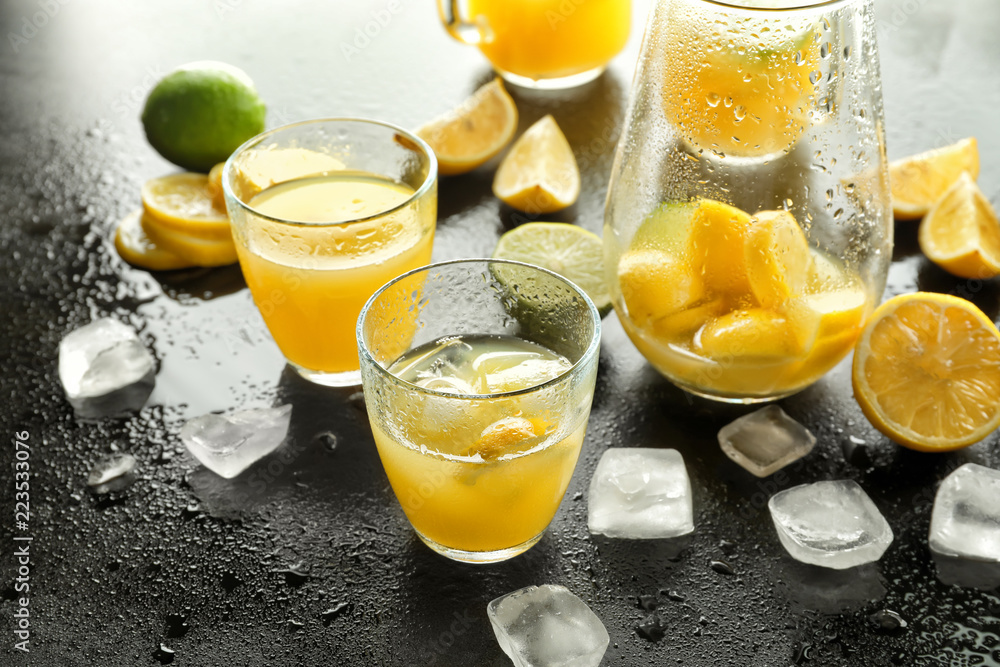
571, 251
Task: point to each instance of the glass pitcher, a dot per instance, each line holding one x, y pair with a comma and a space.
748, 226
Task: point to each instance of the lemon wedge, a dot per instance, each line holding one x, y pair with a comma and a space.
539, 174
961, 233
919, 181
474, 132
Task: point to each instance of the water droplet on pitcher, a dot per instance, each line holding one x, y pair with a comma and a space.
713, 99
739, 112
815, 76
824, 51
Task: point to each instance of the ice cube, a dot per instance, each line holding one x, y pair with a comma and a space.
765, 440
105, 370
528, 373
541, 626
640, 493
112, 473
832, 524
229, 444
965, 521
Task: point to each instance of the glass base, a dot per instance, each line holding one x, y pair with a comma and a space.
480, 557
555, 83
327, 379
733, 400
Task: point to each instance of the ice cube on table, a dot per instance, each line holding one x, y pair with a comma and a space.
765, 440
547, 626
965, 521
229, 444
831, 524
105, 370
112, 473
640, 493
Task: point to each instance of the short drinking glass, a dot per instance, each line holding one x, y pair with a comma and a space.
478, 377
323, 213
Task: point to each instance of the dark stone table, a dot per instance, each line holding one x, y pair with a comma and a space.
307, 558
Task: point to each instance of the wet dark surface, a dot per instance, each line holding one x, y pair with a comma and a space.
307, 558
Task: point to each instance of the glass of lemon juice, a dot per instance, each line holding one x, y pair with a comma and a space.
542, 43
478, 378
323, 213
748, 230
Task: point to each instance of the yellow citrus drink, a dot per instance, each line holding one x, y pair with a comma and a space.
733, 305
336, 238
740, 87
480, 474
549, 39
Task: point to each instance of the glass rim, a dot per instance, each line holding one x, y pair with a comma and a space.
592, 347
800, 6
255, 140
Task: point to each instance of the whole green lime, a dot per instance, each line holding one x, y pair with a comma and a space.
198, 114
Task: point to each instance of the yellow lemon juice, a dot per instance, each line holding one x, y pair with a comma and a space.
541, 39
473, 470
336, 238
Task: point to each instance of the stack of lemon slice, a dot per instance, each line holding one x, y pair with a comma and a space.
182, 223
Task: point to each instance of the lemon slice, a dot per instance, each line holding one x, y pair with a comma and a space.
758, 334
573, 252
777, 257
136, 248
195, 249
474, 132
215, 187
961, 233
718, 247
183, 202
655, 284
539, 174
927, 372
917, 182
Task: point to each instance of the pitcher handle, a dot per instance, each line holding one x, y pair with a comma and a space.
457, 25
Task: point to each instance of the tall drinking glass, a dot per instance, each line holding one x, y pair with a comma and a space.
542, 43
324, 212
478, 377
748, 230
